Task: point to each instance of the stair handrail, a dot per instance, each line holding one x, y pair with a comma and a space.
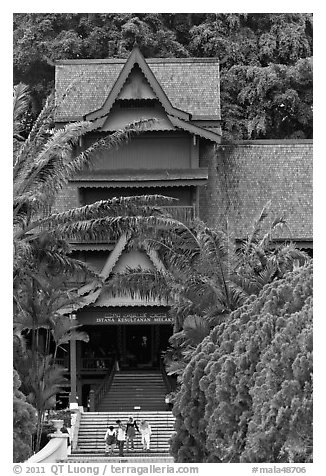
96, 396
74, 441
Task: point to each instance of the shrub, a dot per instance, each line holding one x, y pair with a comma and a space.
246, 394
24, 423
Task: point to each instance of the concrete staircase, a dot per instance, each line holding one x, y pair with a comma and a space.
129, 389
93, 425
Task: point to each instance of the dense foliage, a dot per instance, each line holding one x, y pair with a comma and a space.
265, 59
207, 275
24, 421
246, 394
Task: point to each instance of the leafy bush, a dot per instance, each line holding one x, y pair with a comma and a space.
247, 391
24, 423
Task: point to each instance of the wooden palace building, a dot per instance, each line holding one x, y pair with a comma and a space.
170, 158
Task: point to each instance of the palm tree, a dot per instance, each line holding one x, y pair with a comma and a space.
38, 320
43, 164
208, 275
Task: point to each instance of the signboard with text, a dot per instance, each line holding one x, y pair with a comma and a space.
125, 317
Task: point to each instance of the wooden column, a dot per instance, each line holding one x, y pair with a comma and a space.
194, 153
196, 202
120, 344
73, 371
153, 344
78, 372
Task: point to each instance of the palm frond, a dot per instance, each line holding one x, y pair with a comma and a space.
267, 238
43, 177
266, 275
21, 101
54, 155
195, 329
64, 329
145, 205
36, 138
247, 282
111, 228
176, 367
139, 282
58, 262
239, 295
253, 238
216, 250
63, 166
286, 257
91, 222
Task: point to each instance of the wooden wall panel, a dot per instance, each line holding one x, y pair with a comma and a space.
148, 153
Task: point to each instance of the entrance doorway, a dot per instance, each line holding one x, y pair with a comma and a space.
138, 346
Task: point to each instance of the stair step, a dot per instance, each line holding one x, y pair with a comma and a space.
93, 426
149, 458
144, 389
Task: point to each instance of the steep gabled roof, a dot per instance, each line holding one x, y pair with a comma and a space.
136, 58
190, 85
124, 299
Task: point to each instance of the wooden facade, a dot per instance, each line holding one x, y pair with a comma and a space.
170, 158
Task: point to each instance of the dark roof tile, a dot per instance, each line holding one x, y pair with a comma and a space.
191, 85
279, 172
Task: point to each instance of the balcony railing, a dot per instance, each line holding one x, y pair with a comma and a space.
184, 214
90, 364
96, 364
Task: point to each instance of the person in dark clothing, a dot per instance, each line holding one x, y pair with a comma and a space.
121, 436
132, 427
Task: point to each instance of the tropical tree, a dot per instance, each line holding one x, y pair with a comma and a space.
43, 163
40, 330
207, 276
24, 422
246, 394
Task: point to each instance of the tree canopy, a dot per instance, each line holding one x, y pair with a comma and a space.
246, 394
265, 59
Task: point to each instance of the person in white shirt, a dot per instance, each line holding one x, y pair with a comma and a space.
110, 439
121, 436
145, 431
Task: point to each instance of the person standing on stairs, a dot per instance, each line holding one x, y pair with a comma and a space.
121, 436
110, 439
146, 431
131, 432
